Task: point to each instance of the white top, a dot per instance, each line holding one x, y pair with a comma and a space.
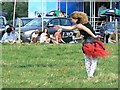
43, 37
34, 35
14, 35
6, 38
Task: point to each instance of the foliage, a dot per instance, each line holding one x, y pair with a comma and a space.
55, 66
21, 9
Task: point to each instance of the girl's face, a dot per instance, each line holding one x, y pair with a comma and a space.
74, 20
13, 30
46, 30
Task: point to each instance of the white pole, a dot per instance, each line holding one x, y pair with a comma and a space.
45, 8
116, 29
42, 14
110, 8
14, 12
19, 30
66, 7
90, 13
94, 15
59, 4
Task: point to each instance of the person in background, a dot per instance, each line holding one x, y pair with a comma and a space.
92, 46
101, 8
78, 38
35, 36
61, 14
14, 35
57, 39
112, 38
7, 38
45, 36
103, 29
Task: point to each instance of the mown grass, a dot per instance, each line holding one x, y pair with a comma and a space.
55, 66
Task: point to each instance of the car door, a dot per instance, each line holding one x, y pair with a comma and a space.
66, 34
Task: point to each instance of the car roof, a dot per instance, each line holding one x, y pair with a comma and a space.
53, 18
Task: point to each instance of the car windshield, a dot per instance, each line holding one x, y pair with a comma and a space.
37, 22
25, 21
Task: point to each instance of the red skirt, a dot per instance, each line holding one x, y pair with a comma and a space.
95, 49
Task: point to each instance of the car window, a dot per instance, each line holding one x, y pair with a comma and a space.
37, 22
55, 22
25, 21
66, 22
1, 21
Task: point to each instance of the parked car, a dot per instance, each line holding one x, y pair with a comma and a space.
3, 22
24, 21
28, 29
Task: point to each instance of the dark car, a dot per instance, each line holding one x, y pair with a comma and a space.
3, 22
28, 29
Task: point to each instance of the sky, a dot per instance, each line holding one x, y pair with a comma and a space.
36, 5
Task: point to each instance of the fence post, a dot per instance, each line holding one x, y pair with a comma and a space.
116, 29
19, 30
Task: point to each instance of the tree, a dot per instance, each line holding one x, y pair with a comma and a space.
21, 9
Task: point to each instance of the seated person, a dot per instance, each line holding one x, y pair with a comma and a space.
35, 36
78, 38
57, 39
14, 35
7, 36
45, 37
112, 38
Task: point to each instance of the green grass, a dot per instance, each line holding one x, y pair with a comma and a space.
55, 66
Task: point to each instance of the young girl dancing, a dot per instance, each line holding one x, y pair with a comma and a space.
92, 47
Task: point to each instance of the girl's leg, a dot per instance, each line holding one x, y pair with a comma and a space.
87, 64
93, 66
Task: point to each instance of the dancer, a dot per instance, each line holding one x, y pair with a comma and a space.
92, 47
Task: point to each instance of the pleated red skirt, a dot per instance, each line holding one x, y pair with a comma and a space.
95, 49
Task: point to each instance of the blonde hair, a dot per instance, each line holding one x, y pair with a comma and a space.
83, 16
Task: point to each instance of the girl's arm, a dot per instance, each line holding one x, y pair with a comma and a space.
82, 27
65, 27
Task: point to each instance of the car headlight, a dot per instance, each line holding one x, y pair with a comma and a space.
29, 32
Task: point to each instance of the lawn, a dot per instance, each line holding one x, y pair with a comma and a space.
55, 66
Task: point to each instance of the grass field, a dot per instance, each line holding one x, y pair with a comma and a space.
55, 66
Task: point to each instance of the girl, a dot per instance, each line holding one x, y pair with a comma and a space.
92, 48
45, 36
57, 39
35, 36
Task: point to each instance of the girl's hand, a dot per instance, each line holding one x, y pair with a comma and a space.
57, 27
98, 36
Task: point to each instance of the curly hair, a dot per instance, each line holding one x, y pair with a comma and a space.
81, 15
